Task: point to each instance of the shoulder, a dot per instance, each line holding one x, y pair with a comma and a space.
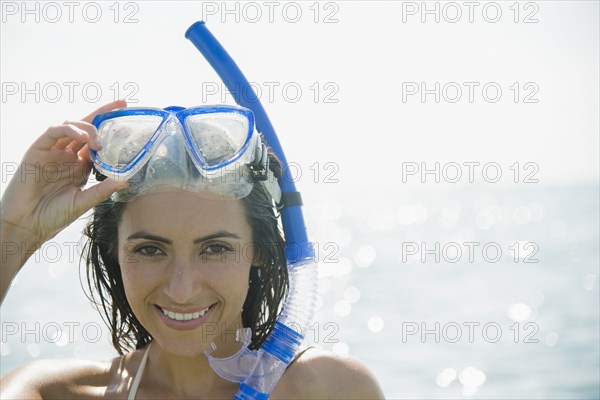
322, 374
61, 378
49, 378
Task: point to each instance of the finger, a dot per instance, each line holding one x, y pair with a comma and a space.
75, 146
93, 140
68, 142
90, 197
105, 108
61, 136
64, 142
84, 154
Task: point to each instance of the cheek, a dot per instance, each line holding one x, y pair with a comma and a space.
129, 276
128, 271
133, 268
232, 281
233, 278
137, 278
131, 284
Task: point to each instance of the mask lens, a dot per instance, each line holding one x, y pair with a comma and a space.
218, 137
123, 138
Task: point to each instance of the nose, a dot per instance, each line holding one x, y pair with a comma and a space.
182, 285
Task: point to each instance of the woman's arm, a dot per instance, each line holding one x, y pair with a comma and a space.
17, 246
21, 383
57, 379
33, 208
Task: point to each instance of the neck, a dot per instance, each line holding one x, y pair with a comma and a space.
188, 376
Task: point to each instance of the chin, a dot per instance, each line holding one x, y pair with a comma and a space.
183, 347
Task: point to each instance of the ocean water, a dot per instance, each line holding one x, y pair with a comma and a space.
471, 292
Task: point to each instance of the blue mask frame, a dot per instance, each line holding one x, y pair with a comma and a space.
181, 114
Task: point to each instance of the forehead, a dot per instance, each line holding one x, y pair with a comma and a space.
184, 213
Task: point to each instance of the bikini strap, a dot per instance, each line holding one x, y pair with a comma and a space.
138, 375
299, 354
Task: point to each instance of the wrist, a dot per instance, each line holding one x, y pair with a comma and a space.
18, 240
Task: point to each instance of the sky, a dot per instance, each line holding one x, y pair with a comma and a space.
359, 92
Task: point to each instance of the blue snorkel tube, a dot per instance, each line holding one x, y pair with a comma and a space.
259, 371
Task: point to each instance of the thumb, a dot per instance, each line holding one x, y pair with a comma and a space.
92, 196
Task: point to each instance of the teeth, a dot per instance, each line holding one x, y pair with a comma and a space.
184, 317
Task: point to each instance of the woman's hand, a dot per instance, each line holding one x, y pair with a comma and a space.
45, 195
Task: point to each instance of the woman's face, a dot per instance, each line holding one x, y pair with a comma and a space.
189, 255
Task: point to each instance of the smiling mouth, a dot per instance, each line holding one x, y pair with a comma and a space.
185, 316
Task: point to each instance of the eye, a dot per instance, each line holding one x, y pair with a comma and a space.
149, 251
217, 248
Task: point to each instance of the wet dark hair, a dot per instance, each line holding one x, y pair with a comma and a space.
268, 281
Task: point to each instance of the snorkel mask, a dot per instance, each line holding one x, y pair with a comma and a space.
201, 149
216, 149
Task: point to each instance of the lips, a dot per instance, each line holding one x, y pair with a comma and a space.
184, 319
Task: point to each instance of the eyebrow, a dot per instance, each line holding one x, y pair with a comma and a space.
149, 236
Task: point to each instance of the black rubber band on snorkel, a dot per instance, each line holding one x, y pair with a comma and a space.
260, 165
289, 199
99, 176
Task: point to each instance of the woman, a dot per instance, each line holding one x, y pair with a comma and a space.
170, 278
